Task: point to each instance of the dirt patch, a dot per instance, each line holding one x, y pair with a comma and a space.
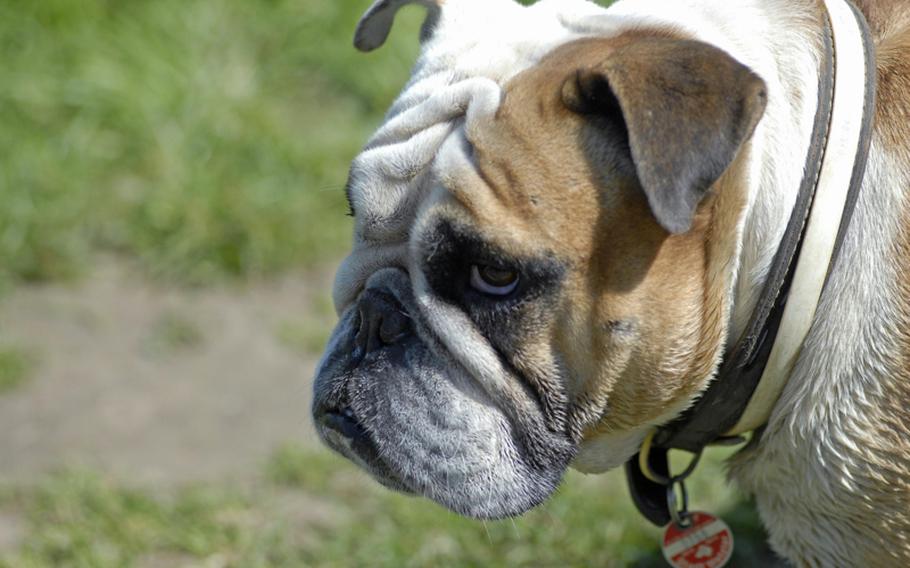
13, 531
209, 397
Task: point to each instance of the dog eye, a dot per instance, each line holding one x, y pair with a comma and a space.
492, 280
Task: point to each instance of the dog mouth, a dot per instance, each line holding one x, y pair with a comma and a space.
342, 431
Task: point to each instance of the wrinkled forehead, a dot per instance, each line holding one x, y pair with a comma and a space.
470, 50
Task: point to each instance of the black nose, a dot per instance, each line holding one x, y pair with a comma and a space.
383, 322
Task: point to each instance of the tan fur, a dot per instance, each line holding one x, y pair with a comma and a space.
642, 311
886, 17
893, 105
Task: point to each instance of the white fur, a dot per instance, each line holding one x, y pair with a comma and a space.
812, 466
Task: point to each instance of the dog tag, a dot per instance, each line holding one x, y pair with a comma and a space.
706, 542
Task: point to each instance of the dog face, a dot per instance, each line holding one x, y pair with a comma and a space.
564, 281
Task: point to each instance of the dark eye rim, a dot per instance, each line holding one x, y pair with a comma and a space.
447, 249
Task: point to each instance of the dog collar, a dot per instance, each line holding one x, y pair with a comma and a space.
754, 372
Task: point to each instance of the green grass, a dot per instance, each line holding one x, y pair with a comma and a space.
16, 367
206, 138
81, 519
315, 509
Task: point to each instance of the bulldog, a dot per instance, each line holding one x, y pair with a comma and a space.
568, 222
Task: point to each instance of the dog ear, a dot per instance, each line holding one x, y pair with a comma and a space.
376, 22
684, 108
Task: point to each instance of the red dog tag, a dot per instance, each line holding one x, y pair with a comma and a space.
706, 542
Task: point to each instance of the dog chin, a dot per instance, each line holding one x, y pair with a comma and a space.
420, 424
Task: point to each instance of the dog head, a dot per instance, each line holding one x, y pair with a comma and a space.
554, 283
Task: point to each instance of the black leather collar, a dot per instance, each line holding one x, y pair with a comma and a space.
723, 403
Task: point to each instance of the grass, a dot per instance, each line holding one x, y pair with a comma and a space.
315, 509
81, 519
208, 139
16, 366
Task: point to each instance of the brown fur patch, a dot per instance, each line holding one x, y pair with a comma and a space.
886, 17
893, 105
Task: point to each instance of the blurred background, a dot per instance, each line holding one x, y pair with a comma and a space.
171, 212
